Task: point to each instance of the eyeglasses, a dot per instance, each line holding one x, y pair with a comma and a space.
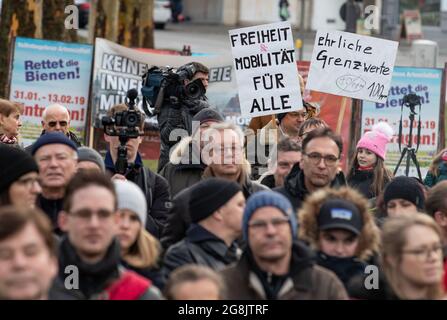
425, 253
28, 182
87, 214
52, 124
316, 157
262, 224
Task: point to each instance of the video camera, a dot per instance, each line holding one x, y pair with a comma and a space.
125, 125
160, 84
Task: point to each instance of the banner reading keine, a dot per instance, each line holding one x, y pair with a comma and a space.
118, 69
47, 72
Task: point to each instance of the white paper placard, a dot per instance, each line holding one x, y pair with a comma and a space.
352, 65
266, 70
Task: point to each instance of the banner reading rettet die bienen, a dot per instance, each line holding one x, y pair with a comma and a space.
426, 83
47, 72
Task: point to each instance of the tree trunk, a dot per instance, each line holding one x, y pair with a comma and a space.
54, 16
146, 32
103, 20
18, 18
127, 22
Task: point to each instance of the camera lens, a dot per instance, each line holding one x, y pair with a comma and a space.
132, 120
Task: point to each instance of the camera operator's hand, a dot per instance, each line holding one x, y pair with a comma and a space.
118, 176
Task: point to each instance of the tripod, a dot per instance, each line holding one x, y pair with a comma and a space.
409, 150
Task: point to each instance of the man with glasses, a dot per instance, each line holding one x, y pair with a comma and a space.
275, 265
90, 249
318, 168
56, 118
57, 157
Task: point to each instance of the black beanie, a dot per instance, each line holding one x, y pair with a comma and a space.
209, 195
14, 163
208, 114
405, 188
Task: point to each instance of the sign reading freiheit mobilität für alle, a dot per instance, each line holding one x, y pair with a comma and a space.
266, 71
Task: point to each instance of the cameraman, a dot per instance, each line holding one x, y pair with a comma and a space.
178, 114
154, 186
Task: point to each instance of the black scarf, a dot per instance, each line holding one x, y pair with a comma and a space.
93, 278
344, 268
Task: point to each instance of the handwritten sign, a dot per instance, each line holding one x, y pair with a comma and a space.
351, 65
266, 71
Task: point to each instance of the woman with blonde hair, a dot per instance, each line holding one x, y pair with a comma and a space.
412, 258
139, 249
338, 226
437, 170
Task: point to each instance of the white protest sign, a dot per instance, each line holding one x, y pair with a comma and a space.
266, 71
351, 65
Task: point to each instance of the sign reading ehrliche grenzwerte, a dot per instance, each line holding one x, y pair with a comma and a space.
266, 71
351, 65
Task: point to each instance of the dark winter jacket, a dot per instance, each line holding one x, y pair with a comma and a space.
187, 171
295, 190
70, 136
179, 220
52, 209
155, 188
365, 287
305, 281
362, 180
269, 181
200, 246
173, 117
105, 280
431, 180
344, 268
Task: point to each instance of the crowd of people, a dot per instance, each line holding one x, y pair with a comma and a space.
209, 224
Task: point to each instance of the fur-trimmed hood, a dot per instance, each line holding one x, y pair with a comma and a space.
369, 238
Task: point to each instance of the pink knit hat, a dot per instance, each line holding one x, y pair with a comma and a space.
376, 139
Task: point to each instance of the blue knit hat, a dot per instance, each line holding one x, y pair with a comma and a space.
52, 138
268, 199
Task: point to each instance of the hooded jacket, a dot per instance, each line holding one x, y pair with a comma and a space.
105, 280
173, 117
184, 168
295, 190
305, 281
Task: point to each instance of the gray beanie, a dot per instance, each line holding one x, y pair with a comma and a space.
89, 154
131, 197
